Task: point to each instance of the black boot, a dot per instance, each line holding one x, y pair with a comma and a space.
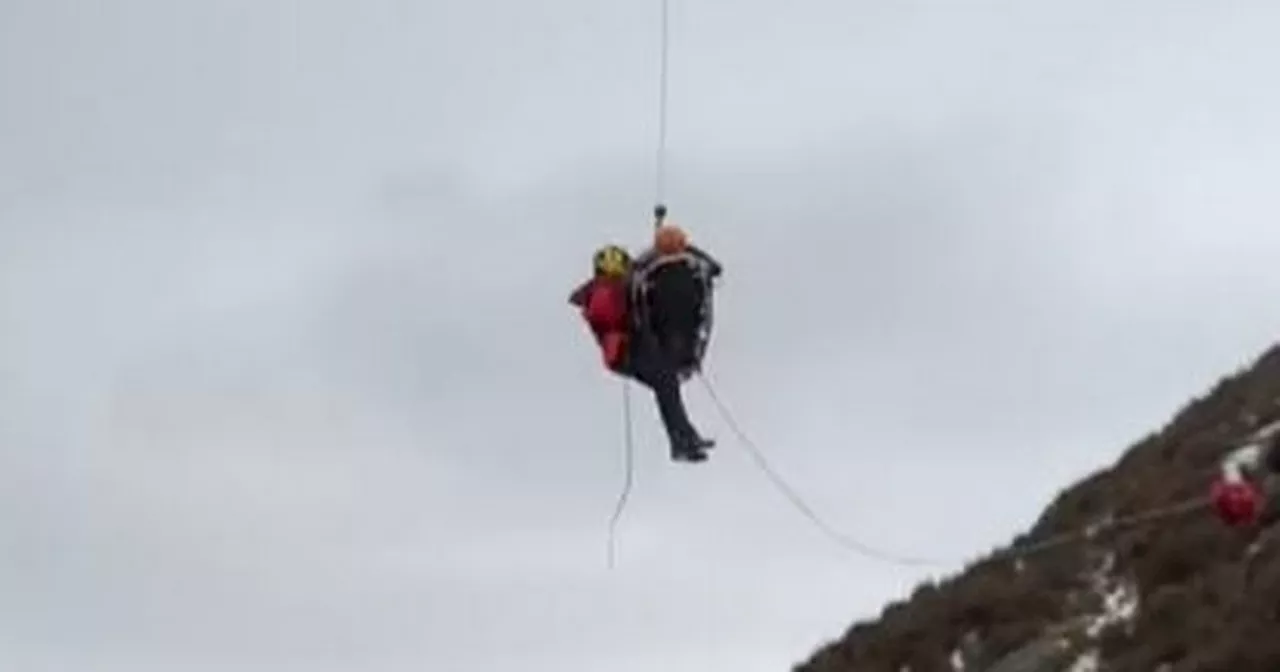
688, 453
690, 448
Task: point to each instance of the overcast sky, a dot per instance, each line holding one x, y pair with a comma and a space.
288, 381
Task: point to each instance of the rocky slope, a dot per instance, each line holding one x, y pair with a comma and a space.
1184, 594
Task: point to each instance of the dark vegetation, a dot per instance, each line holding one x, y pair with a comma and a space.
1208, 596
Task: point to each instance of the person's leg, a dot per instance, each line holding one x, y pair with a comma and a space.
681, 347
648, 366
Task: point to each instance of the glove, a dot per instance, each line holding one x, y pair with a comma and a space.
1237, 503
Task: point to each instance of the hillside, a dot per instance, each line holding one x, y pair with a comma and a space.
1183, 594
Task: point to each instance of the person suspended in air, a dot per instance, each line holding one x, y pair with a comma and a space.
631, 351
1245, 475
671, 286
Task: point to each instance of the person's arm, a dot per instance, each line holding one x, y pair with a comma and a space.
579, 296
1241, 463
713, 265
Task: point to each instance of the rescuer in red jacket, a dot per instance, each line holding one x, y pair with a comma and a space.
1245, 476
631, 351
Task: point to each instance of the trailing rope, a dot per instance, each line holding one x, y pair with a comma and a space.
844, 540
629, 459
1085, 534
1088, 533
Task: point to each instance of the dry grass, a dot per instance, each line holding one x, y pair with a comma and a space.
1208, 602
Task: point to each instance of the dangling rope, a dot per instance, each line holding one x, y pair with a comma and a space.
629, 459
798, 502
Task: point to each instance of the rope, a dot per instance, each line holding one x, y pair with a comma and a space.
660, 170
629, 459
1088, 533
1085, 534
798, 502
1185, 507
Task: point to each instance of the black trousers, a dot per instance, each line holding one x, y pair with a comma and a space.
648, 364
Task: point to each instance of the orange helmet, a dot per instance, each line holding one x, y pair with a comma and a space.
670, 239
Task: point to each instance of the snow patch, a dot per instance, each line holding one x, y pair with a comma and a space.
1119, 605
1119, 599
1087, 662
1266, 431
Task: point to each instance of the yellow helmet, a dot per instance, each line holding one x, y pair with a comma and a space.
612, 261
